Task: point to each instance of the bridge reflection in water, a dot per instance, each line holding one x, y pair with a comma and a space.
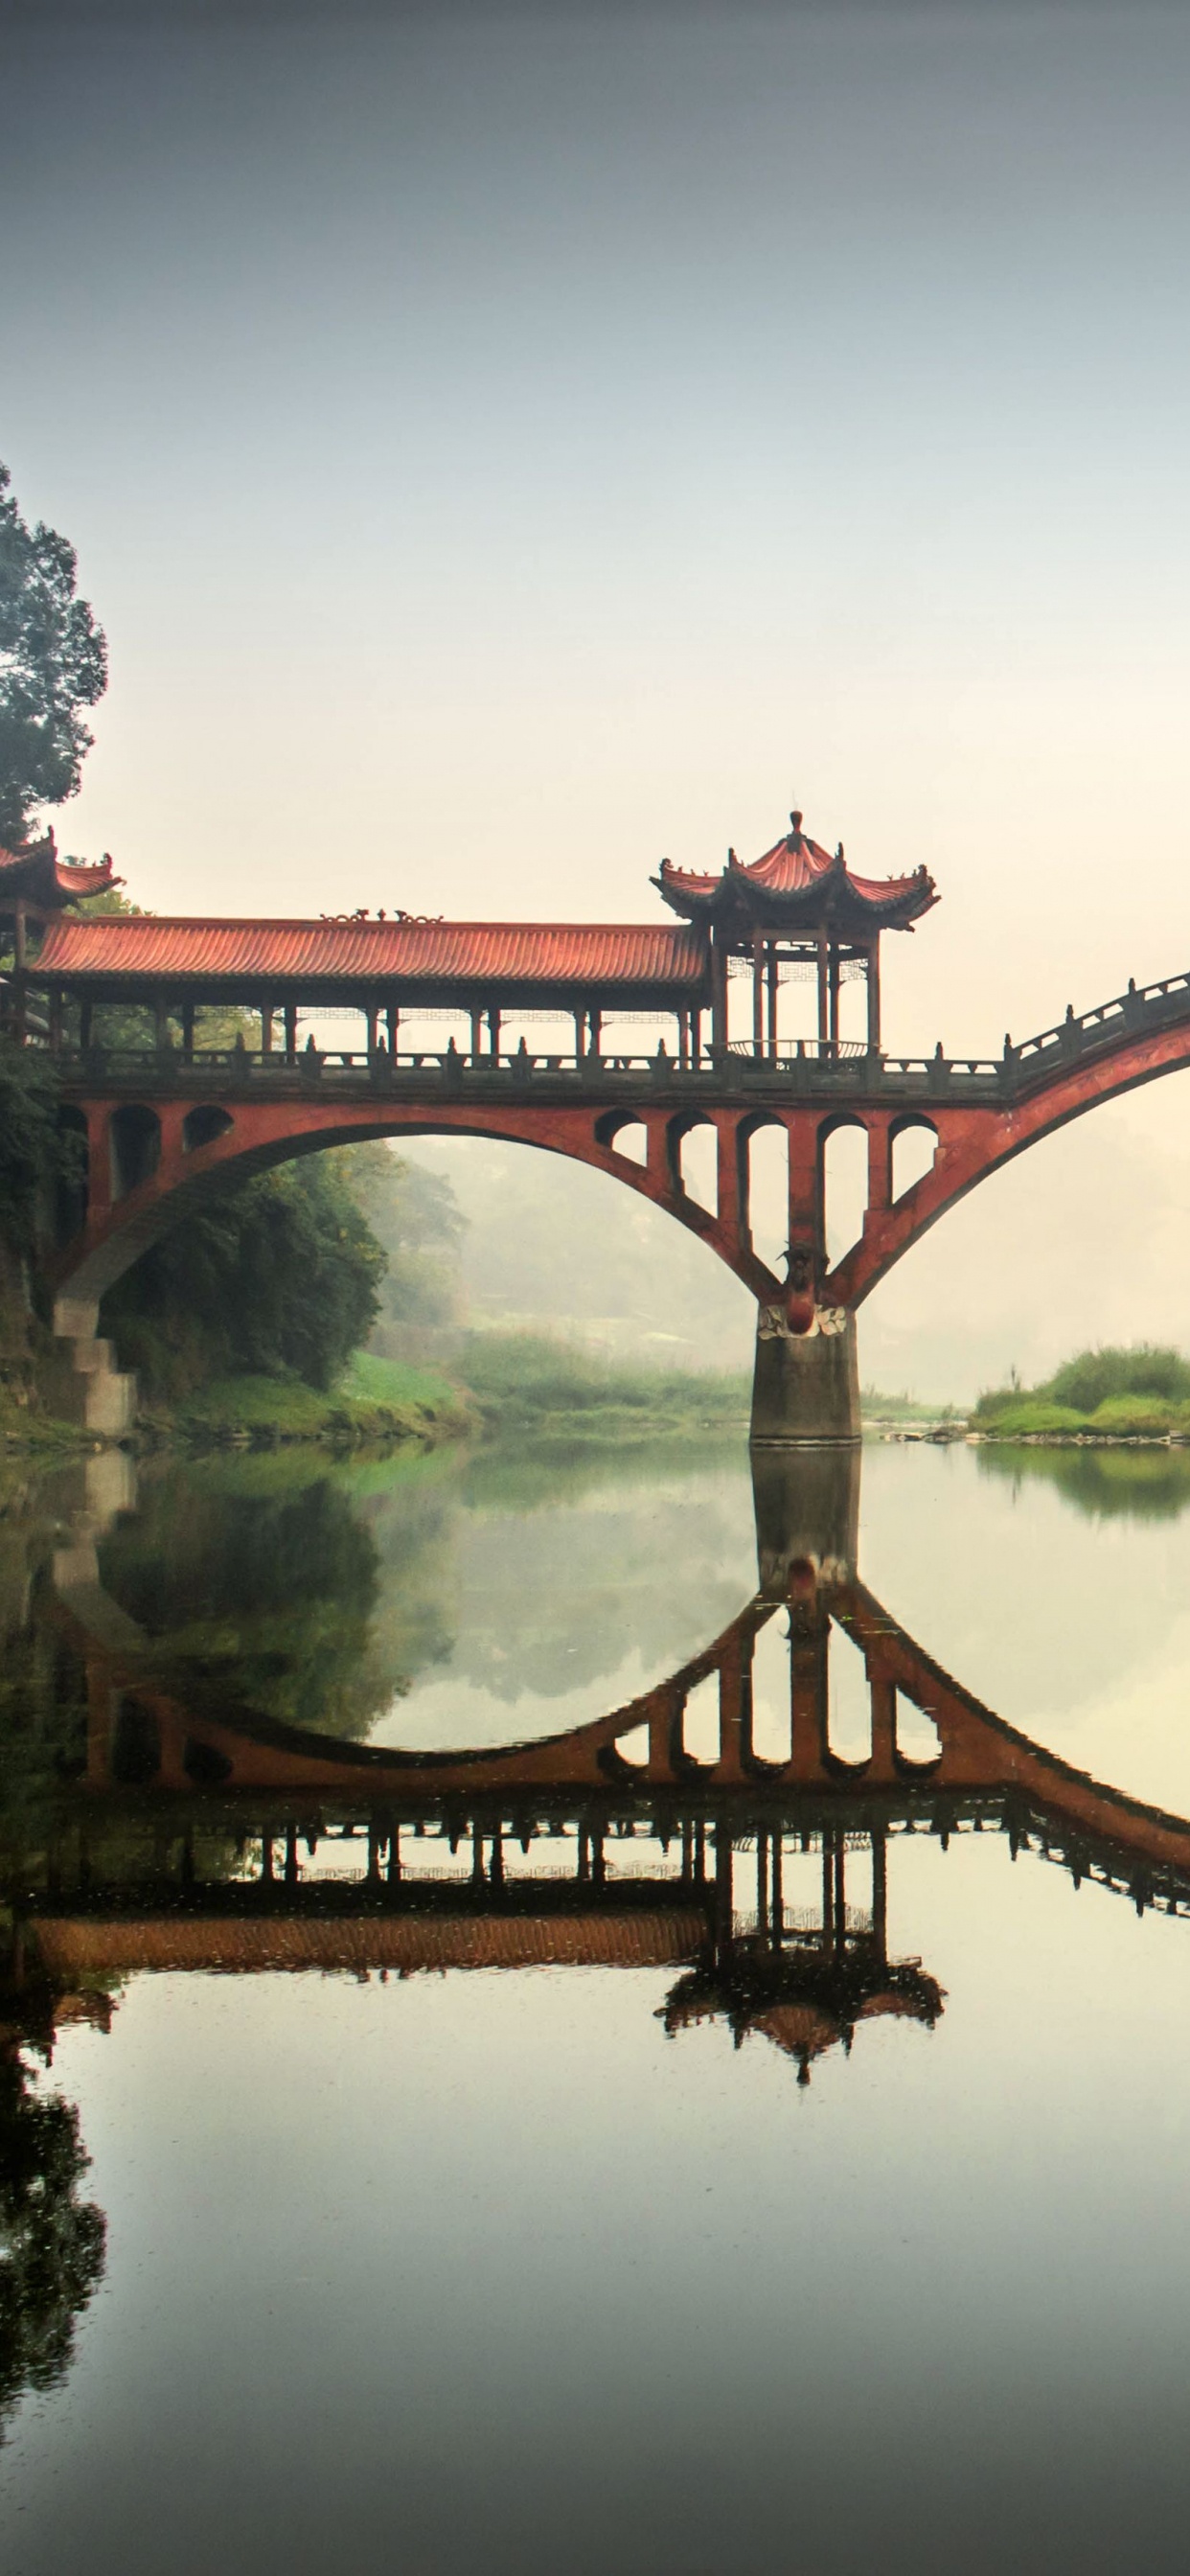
674, 1833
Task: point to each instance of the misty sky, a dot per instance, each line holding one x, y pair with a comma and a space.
506, 448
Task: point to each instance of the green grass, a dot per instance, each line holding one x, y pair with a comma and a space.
1137, 1394
377, 1381
393, 1404
526, 1383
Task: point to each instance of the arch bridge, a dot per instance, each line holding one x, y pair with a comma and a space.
516, 1032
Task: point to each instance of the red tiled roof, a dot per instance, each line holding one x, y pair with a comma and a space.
802, 877
430, 953
42, 877
73, 1946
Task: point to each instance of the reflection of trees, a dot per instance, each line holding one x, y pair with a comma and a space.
264, 1597
1145, 1483
51, 2242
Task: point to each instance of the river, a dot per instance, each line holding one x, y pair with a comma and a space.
569, 2013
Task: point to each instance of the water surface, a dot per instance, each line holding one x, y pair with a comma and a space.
698, 2142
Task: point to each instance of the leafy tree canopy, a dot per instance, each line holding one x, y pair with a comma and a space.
53, 664
35, 1153
279, 1276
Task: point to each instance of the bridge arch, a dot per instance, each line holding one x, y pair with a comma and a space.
976, 1140
203, 1147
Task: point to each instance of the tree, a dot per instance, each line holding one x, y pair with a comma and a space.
53, 663
51, 2242
278, 1276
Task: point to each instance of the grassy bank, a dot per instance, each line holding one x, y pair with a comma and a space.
1110, 1394
374, 1401
524, 1385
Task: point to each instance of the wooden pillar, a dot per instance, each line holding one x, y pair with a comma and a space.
718, 996
392, 1022
291, 1032
773, 986
835, 977
56, 1019
874, 996
757, 993
596, 1030
188, 1032
160, 1020
580, 1031
494, 1017
724, 1892
696, 1038
476, 1036
370, 1018
823, 992
880, 1891
266, 1028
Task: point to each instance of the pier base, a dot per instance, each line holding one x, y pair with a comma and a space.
807, 1513
806, 1385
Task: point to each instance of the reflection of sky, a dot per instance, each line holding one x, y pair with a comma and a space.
479, 2271
561, 1614
1073, 1629
476, 2270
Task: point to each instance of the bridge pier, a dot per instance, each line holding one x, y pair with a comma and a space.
805, 1386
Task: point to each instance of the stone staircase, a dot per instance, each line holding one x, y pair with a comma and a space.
87, 1387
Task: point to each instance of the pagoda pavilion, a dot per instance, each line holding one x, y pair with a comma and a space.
797, 909
35, 883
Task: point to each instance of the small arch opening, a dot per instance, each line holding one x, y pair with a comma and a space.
844, 1188
772, 1715
633, 1747
202, 1125
204, 1764
698, 1165
913, 1149
848, 1703
136, 1147
768, 1193
136, 1745
628, 1137
700, 1722
917, 1738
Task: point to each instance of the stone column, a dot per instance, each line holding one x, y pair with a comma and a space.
805, 1386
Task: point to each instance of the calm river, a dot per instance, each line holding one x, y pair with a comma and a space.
561, 2014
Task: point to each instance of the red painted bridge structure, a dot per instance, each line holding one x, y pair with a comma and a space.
517, 1031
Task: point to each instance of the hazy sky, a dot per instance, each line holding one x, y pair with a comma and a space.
504, 448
